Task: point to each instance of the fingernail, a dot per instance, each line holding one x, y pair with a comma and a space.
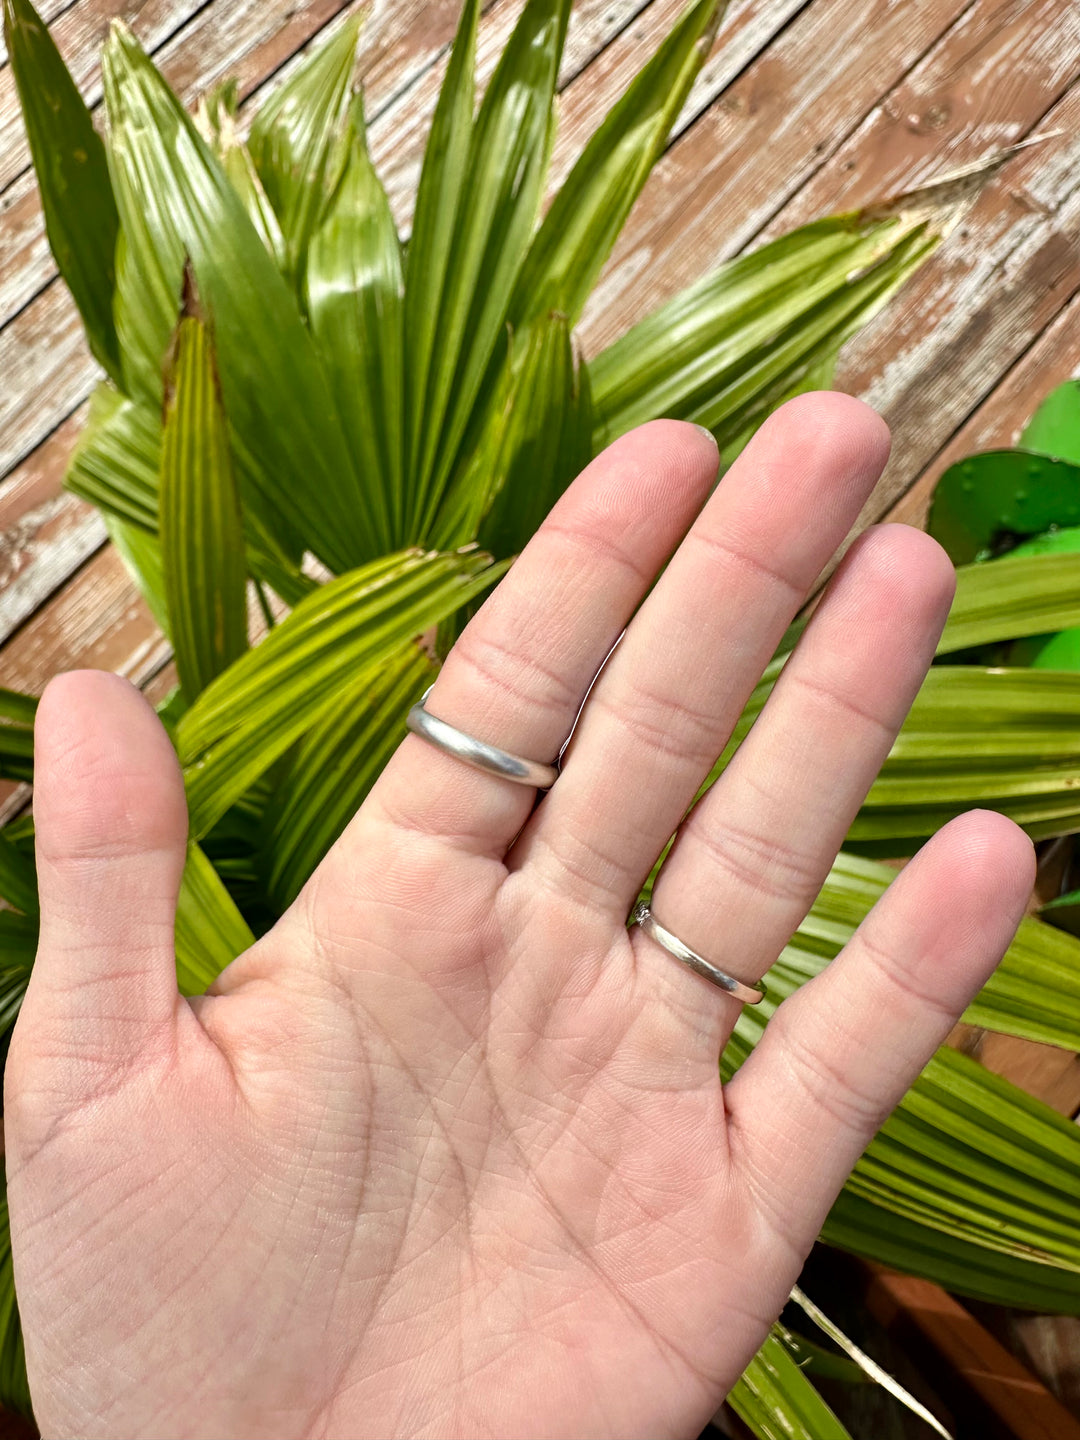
706, 432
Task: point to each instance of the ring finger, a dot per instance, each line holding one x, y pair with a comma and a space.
663, 709
756, 849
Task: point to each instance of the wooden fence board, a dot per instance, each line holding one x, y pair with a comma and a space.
1053, 358
46, 337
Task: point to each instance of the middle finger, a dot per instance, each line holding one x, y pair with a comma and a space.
665, 705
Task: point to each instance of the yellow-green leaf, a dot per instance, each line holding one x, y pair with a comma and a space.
584, 221
210, 931
354, 289
438, 199
292, 137
334, 767
289, 445
777, 1401
278, 691
73, 177
201, 527
502, 185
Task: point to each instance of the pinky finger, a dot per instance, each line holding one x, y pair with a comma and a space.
840, 1053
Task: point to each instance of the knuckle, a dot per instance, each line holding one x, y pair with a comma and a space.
511, 670
900, 983
857, 1111
594, 876
666, 725
833, 699
766, 865
597, 541
737, 558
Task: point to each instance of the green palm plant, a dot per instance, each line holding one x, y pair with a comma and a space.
358, 433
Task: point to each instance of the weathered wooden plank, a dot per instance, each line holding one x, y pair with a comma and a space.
79, 34
793, 124
1053, 358
45, 532
99, 619
998, 282
748, 28
48, 10
252, 40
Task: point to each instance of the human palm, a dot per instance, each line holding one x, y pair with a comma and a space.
446, 1152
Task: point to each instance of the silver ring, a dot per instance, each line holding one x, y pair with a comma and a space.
643, 916
475, 752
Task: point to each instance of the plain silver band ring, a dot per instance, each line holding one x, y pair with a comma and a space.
475, 752
643, 916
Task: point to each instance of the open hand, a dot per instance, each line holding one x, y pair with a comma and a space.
446, 1152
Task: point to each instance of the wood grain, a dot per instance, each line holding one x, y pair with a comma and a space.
45, 340
998, 420
720, 184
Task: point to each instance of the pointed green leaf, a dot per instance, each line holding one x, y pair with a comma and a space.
17, 713
202, 530
210, 931
18, 947
141, 554
238, 165
289, 443
546, 440
116, 467
293, 133
584, 221
76, 197
18, 877
115, 462
1014, 596
1054, 429
149, 270
1063, 913
276, 692
215, 116
728, 349
440, 193
354, 289
778, 1402
334, 767
503, 185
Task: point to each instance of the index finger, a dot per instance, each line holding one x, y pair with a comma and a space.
517, 676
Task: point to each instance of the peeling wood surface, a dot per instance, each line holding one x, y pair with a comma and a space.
803, 108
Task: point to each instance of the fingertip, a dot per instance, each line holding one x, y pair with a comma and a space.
659, 473
105, 771
840, 423
908, 569
990, 857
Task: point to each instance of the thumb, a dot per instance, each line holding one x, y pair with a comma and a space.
111, 830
